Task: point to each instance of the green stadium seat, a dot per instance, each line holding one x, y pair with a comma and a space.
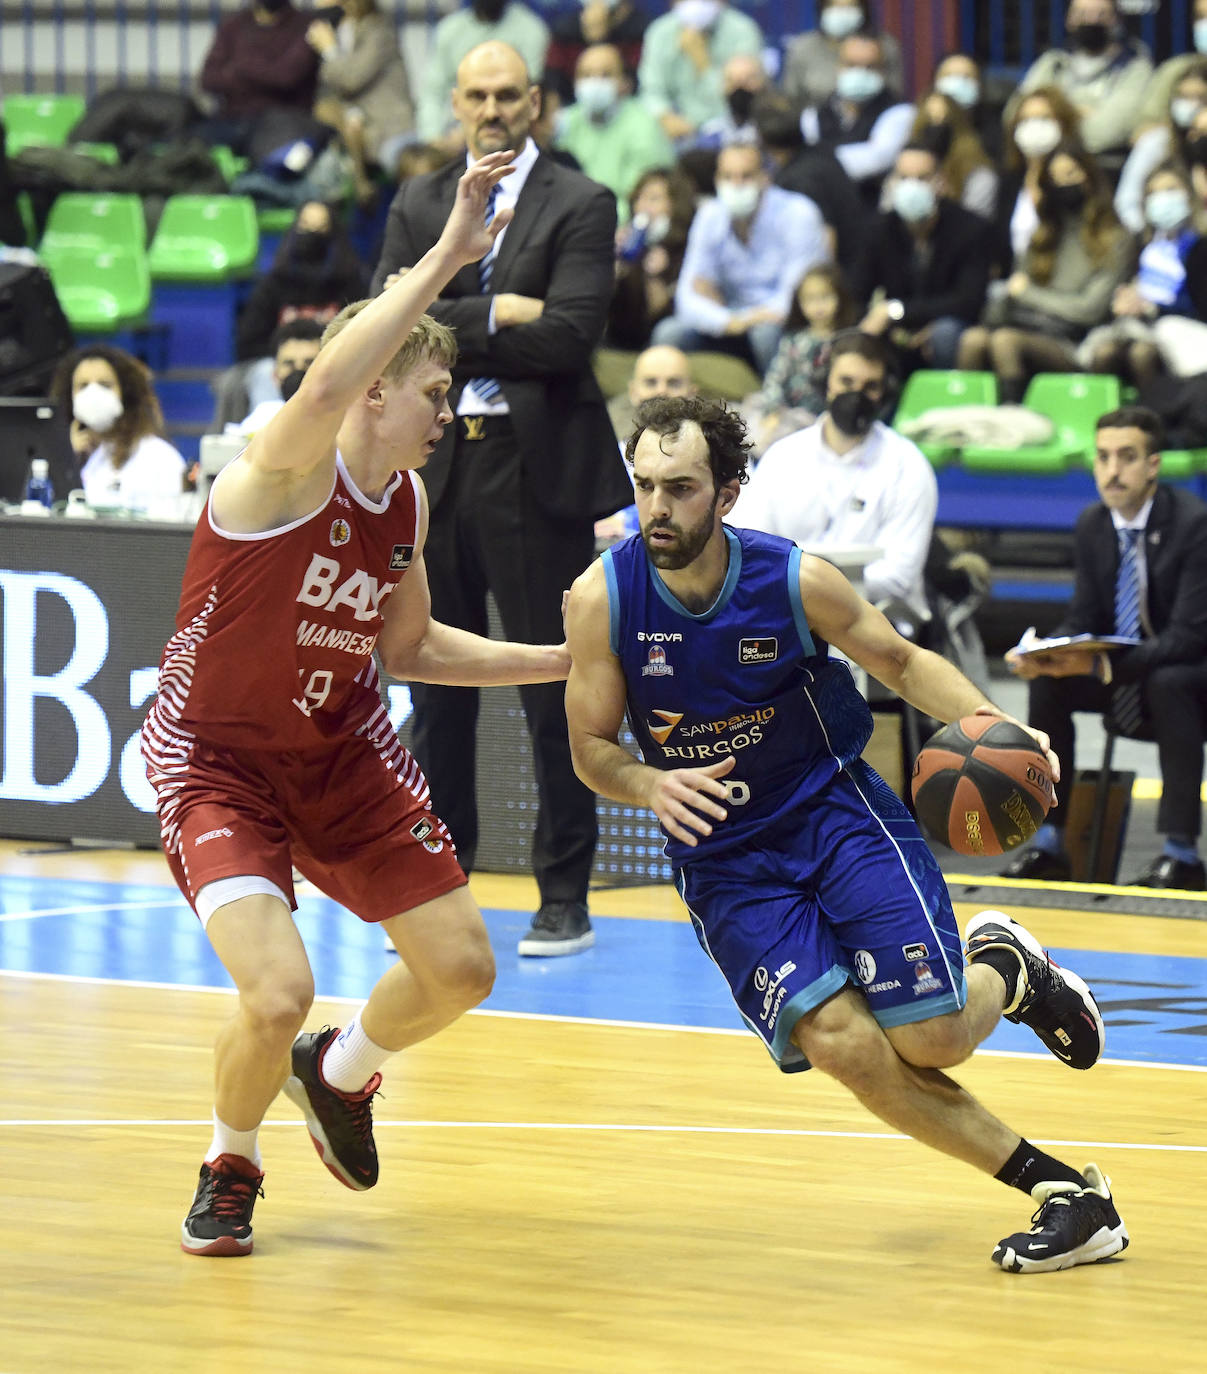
229, 164
1181, 464
205, 239
81, 219
100, 290
40, 121
103, 152
1073, 402
277, 219
935, 390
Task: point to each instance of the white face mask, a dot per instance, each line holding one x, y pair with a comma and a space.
97, 406
858, 84
964, 90
598, 95
914, 199
652, 228
1167, 209
740, 198
1182, 110
698, 14
840, 21
1036, 137
1200, 35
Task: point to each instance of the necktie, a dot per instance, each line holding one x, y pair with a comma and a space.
1125, 701
488, 388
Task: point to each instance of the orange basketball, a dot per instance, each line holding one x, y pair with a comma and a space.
981, 786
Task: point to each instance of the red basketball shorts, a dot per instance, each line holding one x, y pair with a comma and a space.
354, 818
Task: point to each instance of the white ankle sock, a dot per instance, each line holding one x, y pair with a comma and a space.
228, 1141
352, 1058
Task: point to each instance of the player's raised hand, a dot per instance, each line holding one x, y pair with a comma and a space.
683, 798
467, 234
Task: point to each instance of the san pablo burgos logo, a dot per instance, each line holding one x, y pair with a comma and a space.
758, 650
656, 664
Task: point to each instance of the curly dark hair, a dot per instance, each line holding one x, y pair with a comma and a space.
724, 431
140, 415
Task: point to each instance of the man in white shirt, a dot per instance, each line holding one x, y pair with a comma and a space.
849, 479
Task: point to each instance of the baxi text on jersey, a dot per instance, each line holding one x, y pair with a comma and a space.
360, 591
311, 636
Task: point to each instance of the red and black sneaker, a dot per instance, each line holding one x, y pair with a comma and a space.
340, 1124
219, 1222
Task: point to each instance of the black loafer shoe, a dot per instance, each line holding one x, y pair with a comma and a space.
1040, 865
1166, 871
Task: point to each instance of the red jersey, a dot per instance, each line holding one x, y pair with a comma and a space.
275, 633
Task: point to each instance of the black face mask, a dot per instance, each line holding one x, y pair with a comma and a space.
1091, 38
936, 137
290, 383
740, 105
1066, 200
309, 245
1196, 151
853, 412
489, 11
272, 6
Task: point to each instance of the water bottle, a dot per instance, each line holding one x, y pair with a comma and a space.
634, 240
39, 494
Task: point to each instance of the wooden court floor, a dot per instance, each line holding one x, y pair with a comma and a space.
559, 1196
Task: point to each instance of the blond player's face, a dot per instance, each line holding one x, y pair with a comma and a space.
417, 411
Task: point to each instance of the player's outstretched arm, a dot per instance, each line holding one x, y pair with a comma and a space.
302, 434
416, 648
686, 800
936, 687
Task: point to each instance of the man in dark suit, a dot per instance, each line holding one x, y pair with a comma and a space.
1141, 569
929, 257
518, 480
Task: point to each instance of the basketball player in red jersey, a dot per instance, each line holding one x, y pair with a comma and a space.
268, 744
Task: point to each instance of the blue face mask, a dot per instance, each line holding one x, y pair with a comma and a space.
1200, 35
1167, 209
858, 84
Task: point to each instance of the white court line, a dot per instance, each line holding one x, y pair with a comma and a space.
601, 1126
90, 910
610, 1024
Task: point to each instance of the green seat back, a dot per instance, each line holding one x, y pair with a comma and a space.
927, 390
1180, 464
105, 220
276, 219
1073, 401
40, 121
205, 239
229, 164
100, 290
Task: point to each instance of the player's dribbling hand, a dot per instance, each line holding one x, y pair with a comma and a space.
467, 234
682, 798
1038, 736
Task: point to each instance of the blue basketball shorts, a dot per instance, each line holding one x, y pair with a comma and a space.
842, 891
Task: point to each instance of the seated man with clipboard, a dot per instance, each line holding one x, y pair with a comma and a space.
1132, 645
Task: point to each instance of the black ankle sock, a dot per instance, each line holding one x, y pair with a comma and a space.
1002, 962
1028, 1166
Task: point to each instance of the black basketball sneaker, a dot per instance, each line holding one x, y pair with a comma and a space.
340, 1124
1072, 1226
219, 1221
1054, 1003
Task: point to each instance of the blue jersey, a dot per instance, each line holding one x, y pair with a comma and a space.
742, 678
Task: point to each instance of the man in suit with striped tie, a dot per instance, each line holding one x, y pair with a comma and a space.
1141, 572
530, 462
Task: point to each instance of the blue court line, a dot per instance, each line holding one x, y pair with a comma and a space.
647, 972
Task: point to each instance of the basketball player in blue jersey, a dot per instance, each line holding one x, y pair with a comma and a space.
807, 882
